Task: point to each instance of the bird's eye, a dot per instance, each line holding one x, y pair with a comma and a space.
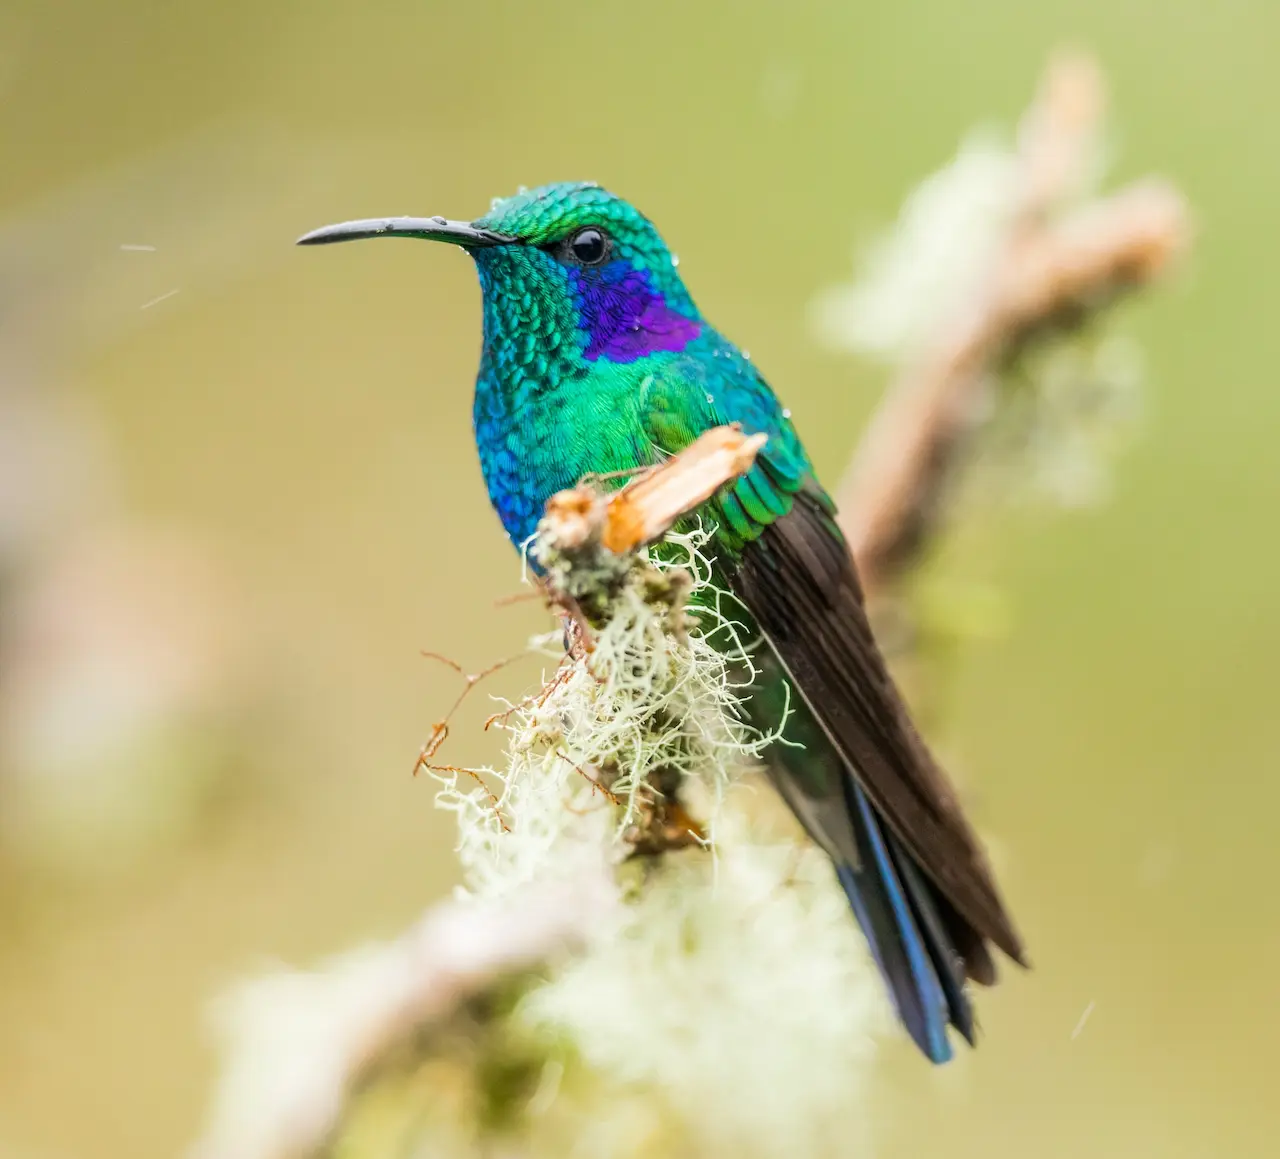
589, 246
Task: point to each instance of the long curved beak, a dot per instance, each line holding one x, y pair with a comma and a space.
428, 228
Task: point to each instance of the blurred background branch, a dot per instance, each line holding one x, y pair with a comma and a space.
1057, 260
317, 1034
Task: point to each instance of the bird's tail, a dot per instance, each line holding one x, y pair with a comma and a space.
906, 923
924, 948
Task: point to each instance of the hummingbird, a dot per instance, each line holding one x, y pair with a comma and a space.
596, 361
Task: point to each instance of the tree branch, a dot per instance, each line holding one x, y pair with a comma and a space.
303, 1038
1043, 272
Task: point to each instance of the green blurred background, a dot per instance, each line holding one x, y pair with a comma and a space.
287, 436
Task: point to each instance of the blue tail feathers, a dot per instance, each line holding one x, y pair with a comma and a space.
896, 908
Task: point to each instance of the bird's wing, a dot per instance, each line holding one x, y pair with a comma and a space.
798, 580
691, 395
791, 567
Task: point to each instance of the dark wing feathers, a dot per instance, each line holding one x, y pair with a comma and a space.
791, 567
798, 579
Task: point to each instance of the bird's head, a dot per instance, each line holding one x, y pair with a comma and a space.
568, 266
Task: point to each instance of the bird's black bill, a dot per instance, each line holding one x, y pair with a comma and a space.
428, 228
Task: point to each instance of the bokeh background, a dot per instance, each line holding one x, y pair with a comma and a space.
238, 496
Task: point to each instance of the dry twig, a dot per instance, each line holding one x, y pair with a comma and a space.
647, 508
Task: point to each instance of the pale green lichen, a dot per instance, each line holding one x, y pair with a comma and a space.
1060, 400
728, 1006
1068, 410
652, 700
915, 277
736, 991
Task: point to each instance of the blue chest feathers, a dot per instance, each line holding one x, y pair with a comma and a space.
527, 453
